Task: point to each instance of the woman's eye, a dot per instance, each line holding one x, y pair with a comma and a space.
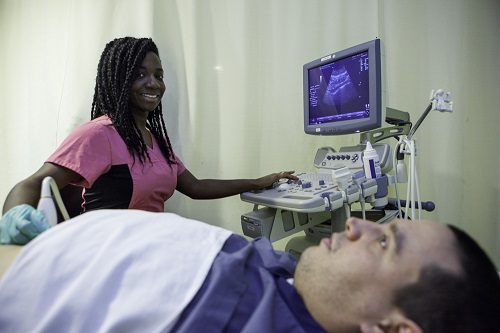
383, 241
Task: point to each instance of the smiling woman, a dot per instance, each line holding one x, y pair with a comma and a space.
122, 158
129, 88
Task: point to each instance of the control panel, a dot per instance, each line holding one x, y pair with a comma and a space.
328, 158
303, 195
322, 196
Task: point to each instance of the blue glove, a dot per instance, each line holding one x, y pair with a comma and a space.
21, 224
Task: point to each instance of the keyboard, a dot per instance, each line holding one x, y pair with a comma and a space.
303, 195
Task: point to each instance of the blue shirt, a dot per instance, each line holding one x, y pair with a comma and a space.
246, 291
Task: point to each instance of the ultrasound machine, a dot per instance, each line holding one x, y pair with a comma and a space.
343, 94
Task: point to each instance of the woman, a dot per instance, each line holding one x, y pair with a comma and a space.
123, 157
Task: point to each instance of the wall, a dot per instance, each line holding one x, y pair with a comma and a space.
234, 100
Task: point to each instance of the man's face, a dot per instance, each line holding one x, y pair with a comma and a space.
349, 278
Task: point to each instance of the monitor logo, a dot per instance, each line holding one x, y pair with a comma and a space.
328, 57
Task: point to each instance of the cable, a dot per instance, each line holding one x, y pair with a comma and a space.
396, 176
363, 209
413, 186
347, 210
409, 185
65, 70
418, 195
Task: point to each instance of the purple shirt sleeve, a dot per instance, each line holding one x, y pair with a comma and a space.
246, 291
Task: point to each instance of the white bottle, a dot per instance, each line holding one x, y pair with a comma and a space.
371, 163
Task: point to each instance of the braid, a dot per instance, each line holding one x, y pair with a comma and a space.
116, 73
157, 127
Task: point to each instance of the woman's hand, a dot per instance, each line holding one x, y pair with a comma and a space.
269, 180
21, 224
196, 188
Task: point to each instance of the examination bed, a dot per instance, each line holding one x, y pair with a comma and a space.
8, 254
113, 276
133, 271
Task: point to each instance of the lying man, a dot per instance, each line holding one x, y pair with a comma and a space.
133, 271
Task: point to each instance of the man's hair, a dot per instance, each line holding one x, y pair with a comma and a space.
116, 72
442, 301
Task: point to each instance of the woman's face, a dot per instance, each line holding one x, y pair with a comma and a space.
148, 87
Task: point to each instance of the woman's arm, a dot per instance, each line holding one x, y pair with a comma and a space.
28, 190
195, 188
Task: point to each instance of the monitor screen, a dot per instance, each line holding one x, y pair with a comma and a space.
343, 91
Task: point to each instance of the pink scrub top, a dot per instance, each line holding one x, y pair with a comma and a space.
110, 175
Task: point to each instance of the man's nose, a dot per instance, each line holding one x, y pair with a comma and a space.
355, 228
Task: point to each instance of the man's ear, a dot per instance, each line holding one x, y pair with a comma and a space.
399, 325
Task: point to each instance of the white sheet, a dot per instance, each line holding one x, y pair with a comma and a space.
109, 271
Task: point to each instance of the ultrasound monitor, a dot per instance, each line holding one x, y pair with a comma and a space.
343, 91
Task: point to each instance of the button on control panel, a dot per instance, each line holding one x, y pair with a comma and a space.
349, 159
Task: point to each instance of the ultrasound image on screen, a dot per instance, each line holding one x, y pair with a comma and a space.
339, 90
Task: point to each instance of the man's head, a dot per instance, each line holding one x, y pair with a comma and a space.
385, 278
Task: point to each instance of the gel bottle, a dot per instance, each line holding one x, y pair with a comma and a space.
371, 163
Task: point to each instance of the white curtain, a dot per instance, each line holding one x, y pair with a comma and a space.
233, 105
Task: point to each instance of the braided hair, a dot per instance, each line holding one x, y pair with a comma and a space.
116, 73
